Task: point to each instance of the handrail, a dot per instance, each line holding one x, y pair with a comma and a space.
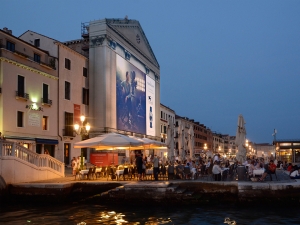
12, 149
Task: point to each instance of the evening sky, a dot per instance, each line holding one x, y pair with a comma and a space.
218, 59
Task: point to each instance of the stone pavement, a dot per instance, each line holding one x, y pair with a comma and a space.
69, 178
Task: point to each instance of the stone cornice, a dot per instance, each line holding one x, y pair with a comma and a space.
28, 68
132, 45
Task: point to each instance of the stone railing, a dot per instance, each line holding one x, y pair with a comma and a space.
40, 160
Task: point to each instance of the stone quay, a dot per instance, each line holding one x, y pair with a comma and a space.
198, 192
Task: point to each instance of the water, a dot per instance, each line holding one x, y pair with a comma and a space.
122, 214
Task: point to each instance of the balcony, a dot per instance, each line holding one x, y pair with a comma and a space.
49, 62
46, 101
68, 133
22, 95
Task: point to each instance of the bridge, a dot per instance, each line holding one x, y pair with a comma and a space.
19, 164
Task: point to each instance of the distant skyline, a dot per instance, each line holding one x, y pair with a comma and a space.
218, 59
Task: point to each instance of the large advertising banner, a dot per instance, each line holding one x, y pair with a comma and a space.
131, 97
150, 106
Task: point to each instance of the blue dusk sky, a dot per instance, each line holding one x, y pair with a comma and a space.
218, 59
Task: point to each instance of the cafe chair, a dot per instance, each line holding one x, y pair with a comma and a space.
111, 173
88, 175
163, 172
125, 173
93, 174
77, 175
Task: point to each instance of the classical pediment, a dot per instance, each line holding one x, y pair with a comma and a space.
132, 32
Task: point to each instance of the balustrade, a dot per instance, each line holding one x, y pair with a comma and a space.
40, 160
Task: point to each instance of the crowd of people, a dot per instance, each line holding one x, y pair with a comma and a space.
187, 169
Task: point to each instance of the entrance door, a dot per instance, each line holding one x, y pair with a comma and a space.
67, 147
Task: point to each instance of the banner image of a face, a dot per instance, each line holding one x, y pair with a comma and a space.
131, 97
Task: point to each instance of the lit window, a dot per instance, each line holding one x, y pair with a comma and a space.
45, 122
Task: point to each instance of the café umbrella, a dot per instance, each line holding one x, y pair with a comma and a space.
110, 141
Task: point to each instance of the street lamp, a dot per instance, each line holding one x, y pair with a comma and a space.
82, 130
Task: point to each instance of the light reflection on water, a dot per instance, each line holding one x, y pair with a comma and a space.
87, 214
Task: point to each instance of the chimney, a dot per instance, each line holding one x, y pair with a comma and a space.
5, 29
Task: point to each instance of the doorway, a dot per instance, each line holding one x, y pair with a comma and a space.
67, 147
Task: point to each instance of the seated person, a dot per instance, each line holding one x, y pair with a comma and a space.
179, 171
259, 166
290, 167
295, 174
270, 169
251, 167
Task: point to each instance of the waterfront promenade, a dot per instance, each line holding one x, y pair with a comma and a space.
200, 191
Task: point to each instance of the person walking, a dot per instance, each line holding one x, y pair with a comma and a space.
155, 167
139, 166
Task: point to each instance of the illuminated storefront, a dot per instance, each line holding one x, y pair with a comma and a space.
288, 150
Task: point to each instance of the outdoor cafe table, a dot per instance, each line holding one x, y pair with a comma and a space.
258, 172
84, 172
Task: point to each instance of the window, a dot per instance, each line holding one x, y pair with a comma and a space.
165, 129
37, 42
20, 119
67, 90
67, 63
45, 122
85, 96
68, 124
85, 72
10, 46
45, 93
21, 86
161, 114
37, 58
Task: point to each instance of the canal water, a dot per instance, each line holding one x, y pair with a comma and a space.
125, 214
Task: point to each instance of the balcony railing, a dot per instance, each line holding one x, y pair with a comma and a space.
68, 133
50, 65
46, 101
22, 95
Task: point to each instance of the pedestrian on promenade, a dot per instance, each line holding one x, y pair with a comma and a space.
139, 165
155, 167
217, 171
74, 166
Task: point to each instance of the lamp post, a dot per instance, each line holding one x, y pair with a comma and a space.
82, 130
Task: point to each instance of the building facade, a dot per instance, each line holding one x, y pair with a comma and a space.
124, 93
28, 98
72, 91
218, 143
167, 115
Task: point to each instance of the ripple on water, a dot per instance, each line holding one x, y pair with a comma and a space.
87, 214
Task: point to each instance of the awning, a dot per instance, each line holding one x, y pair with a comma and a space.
20, 138
46, 141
